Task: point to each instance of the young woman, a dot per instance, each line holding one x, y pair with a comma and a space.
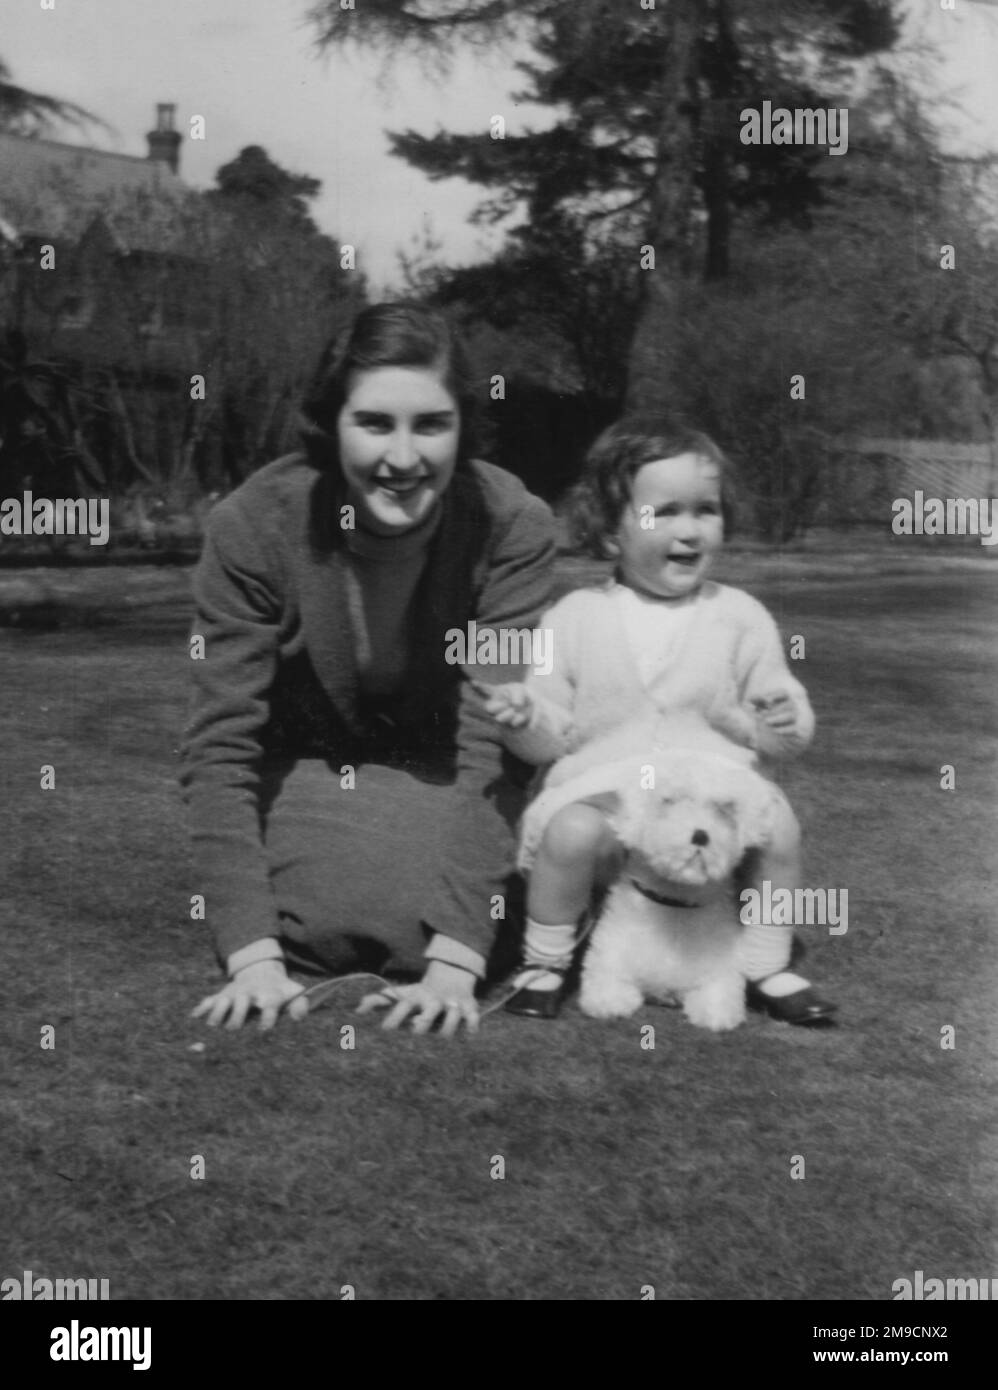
351, 802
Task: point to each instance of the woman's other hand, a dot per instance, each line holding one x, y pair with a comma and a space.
264, 986
445, 994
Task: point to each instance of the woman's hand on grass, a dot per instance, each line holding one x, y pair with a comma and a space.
265, 987
445, 994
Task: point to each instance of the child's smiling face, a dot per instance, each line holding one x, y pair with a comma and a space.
669, 533
398, 436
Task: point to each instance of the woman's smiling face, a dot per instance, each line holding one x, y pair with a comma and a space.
398, 434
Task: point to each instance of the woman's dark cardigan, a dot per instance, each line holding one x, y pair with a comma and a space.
279, 680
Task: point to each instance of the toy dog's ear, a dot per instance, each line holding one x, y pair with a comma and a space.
631, 814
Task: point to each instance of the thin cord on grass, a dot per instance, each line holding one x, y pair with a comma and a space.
333, 982
499, 1003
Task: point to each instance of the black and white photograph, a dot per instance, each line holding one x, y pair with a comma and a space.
498, 597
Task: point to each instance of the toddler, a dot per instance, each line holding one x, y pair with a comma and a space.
659, 638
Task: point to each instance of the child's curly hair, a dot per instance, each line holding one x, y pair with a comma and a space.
597, 502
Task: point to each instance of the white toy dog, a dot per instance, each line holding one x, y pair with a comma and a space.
669, 927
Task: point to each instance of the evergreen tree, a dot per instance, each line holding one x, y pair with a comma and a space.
252, 184
645, 148
31, 113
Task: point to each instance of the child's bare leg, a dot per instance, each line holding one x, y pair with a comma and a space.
573, 853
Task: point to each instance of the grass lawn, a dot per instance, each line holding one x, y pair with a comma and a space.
624, 1167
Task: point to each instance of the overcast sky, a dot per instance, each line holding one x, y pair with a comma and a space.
250, 68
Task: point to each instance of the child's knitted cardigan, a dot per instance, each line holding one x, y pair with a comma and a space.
729, 654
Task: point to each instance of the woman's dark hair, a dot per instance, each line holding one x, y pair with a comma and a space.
402, 334
597, 502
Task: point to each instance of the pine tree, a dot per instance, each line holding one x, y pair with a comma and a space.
645, 148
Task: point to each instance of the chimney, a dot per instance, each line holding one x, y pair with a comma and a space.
164, 141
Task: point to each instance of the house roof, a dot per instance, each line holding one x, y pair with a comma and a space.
52, 190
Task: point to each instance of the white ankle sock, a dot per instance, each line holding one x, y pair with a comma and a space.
547, 954
783, 983
533, 977
763, 950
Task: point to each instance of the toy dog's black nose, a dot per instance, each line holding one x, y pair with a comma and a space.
700, 837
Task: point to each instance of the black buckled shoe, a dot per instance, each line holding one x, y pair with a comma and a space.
536, 1003
803, 1007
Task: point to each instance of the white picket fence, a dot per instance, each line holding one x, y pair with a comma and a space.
868, 474
939, 468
